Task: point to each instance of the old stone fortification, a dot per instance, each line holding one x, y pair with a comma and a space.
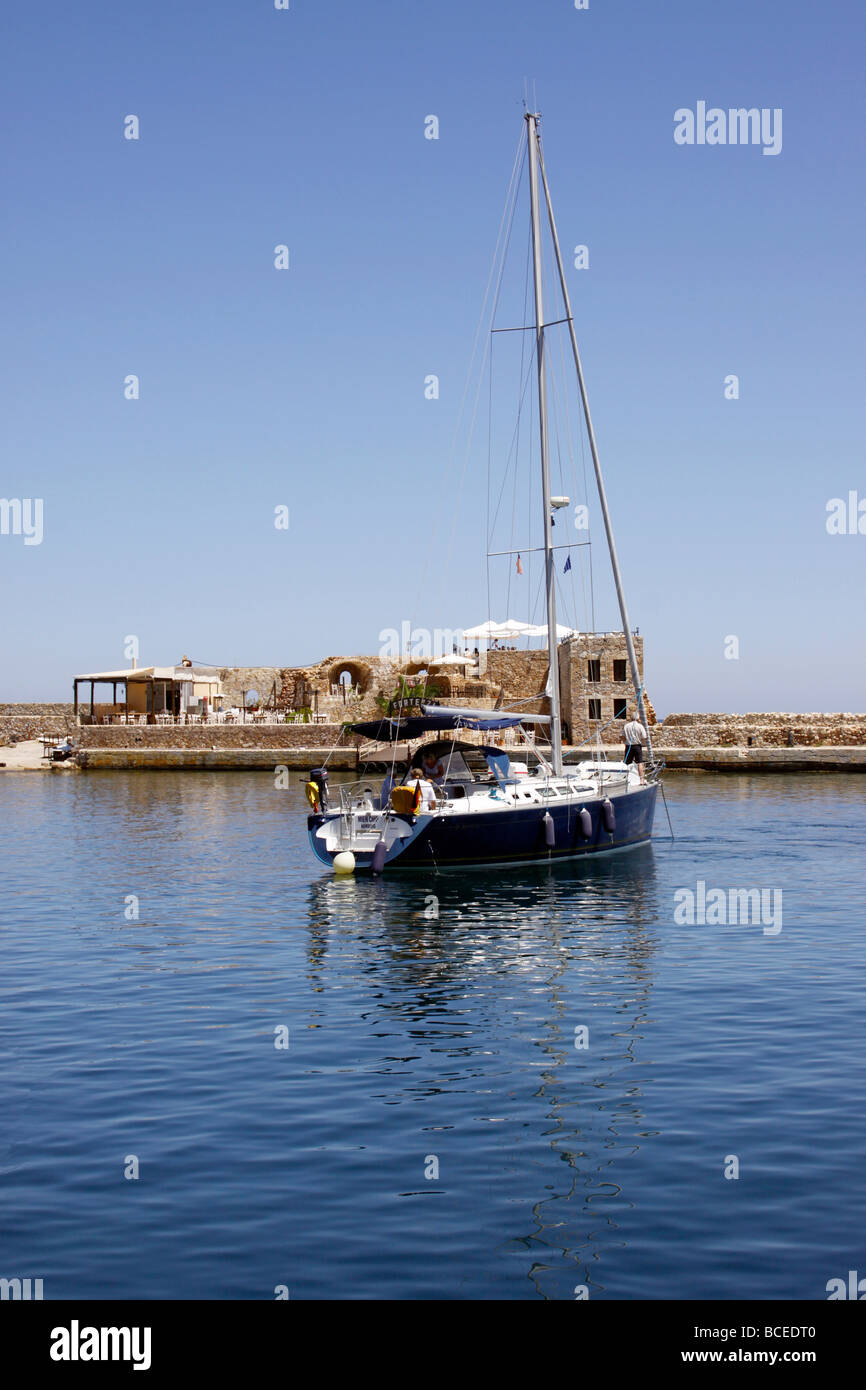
315, 687
26, 721
760, 731
751, 731
372, 679
237, 681
521, 676
57, 707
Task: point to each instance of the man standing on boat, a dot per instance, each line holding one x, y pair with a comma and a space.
635, 736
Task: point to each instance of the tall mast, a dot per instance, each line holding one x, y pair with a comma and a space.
550, 573
602, 495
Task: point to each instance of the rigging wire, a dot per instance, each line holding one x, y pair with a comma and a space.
498, 287
505, 225
489, 471
524, 375
587, 563
514, 447
582, 561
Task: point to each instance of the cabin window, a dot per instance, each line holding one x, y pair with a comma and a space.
595, 709
620, 709
619, 673
593, 671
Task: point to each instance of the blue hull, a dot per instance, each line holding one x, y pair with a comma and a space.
515, 837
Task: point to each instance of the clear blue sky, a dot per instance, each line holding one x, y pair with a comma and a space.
306, 387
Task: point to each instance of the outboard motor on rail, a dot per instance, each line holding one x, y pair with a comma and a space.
318, 776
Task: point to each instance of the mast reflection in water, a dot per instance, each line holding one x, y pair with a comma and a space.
554, 967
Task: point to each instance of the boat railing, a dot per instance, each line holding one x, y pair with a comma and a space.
359, 796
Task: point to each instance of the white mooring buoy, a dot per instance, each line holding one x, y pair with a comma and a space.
344, 862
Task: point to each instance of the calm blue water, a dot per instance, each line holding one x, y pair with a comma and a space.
414, 1039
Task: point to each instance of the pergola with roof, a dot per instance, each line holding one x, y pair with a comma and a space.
163, 687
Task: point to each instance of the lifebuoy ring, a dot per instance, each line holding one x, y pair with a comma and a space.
312, 790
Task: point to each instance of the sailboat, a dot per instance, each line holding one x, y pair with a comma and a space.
486, 807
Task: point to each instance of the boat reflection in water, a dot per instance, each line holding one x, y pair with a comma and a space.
477, 990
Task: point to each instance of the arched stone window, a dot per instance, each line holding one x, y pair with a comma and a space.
350, 673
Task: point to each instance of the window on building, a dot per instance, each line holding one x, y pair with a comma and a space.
620, 709
593, 669
620, 669
595, 709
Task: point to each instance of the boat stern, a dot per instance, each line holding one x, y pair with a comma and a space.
372, 838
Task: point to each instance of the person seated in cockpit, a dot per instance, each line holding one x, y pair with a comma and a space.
432, 768
418, 778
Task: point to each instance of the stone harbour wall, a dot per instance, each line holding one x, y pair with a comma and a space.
342, 759
769, 730
27, 721
677, 731
751, 731
49, 707
214, 736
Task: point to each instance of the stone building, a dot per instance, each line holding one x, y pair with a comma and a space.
596, 689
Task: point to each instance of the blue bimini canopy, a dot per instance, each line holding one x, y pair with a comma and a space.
413, 726
487, 719
484, 721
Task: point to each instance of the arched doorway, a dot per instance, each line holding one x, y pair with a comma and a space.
348, 678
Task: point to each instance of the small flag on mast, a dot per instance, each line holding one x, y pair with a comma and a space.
567, 566
519, 566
